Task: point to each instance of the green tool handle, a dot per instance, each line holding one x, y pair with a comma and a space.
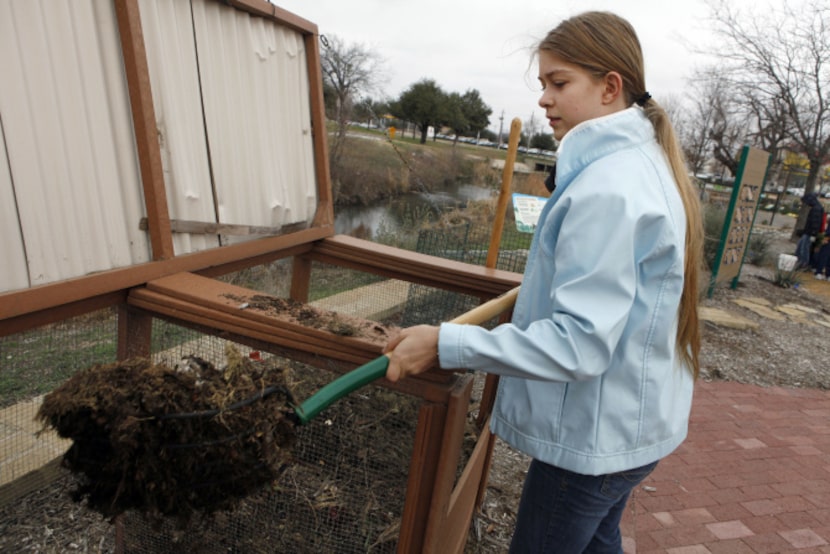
340, 387
368, 372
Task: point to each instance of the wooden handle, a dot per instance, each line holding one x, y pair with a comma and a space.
504, 193
489, 309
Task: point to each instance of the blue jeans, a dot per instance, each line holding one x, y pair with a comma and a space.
564, 512
823, 260
803, 250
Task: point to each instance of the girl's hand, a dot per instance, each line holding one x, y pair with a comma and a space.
412, 351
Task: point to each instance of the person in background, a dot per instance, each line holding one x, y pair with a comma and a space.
598, 363
822, 258
805, 249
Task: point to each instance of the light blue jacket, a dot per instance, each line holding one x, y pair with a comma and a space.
591, 379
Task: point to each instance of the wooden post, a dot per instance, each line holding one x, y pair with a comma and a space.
144, 122
134, 333
504, 192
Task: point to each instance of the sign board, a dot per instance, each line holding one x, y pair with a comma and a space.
526, 209
746, 192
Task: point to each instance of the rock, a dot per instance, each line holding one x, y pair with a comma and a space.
759, 309
724, 318
801, 308
758, 300
795, 313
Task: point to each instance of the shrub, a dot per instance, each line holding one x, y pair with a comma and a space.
788, 278
713, 219
758, 250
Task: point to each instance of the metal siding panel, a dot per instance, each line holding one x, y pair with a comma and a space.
13, 273
171, 56
69, 138
72, 167
257, 108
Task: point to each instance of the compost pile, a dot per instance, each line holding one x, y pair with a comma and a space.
173, 441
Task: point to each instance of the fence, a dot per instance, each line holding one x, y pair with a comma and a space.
345, 488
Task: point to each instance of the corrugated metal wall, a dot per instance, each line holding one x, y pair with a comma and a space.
230, 94
255, 72
68, 137
13, 269
174, 74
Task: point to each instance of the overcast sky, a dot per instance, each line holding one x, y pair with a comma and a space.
487, 44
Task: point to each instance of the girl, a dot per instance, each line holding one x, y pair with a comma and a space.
599, 361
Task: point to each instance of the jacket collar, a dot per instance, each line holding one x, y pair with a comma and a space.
596, 138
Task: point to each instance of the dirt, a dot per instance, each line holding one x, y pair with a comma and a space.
172, 441
309, 317
338, 492
790, 352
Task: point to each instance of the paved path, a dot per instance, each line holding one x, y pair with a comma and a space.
753, 477
22, 449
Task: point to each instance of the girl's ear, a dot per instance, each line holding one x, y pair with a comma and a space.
613, 87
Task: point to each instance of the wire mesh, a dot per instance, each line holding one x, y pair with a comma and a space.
464, 242
342, 491
345, 488
32, 363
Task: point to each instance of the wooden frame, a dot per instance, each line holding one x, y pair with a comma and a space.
437, 510
436, 515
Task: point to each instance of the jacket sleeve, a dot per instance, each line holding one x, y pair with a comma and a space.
588, 295
815, 216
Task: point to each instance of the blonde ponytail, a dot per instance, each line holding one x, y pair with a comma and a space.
688, 331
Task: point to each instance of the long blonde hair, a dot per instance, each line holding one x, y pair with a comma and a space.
601, 42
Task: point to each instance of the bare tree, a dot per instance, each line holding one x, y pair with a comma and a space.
531, 127
730, 128
707, 130
776, 62
770, 120
349, 71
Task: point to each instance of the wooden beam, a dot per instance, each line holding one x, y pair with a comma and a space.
43, 297
265, 9
34, 319
300, 278
137, 72
414, 267
437, 535
325, 201
207, 318
425, 449
135, 332
232, 301
213, 228
463, 502
432, 386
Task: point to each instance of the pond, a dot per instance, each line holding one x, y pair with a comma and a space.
400, 212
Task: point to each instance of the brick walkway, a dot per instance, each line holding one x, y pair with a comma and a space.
753, 477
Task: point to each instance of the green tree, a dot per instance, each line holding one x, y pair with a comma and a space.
489, 135
476, 112
454, 117
542, 141
466, 114
424, 103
